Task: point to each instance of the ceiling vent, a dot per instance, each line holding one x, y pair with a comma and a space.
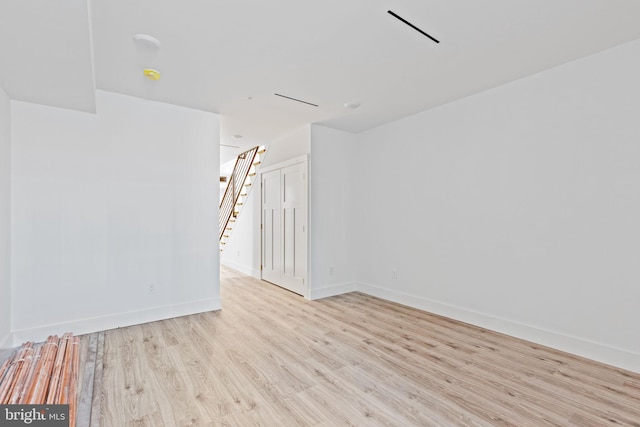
401, 19
294, 99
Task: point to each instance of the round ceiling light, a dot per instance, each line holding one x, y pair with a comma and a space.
151, 74
352, 105
147, 41
237, 136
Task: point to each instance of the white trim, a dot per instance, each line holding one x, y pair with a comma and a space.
102, 323
286, 163
329, 291
242, 268
592, 350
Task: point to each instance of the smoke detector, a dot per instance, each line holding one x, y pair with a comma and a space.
145, 40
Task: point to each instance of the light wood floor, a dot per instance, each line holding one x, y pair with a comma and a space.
271, 358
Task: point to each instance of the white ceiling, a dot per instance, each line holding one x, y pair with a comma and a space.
217, 54
46, 53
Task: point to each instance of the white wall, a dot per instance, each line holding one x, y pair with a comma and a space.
5, 218
242, 251
516, 209
294, 144
333, 155
107, 206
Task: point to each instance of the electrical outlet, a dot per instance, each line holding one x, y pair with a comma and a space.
394, 273
331, 270
152, 288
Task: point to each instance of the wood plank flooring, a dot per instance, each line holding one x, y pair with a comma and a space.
271, 358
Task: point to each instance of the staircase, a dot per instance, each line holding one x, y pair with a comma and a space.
238, 187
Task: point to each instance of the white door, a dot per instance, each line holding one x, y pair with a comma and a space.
294, 227
284, 227
271, 231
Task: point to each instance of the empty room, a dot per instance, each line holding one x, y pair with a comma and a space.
287, 213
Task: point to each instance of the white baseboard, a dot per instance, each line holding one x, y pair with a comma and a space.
96, 324
592, 350
244, 269
329, 291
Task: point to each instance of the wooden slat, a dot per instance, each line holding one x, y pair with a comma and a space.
22, 363
40, 386
73, 381
96, 401
4, 367
56, 376
44, 373
87, 365
26, 389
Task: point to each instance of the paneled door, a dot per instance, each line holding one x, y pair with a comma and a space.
271, 228
284, 227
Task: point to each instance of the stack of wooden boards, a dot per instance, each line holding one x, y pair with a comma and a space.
45, 373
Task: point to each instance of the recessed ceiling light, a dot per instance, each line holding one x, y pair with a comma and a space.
151, 74
147, 41
352, 105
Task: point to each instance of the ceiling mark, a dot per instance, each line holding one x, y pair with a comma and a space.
294, 99
390, 12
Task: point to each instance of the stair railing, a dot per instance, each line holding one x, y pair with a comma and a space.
234, 188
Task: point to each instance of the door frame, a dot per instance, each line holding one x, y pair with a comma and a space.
294, 161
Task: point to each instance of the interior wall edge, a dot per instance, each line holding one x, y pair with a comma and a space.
599, 352
114, 321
